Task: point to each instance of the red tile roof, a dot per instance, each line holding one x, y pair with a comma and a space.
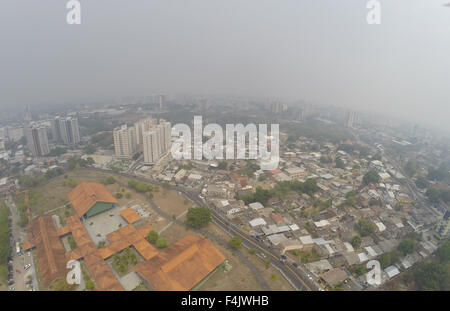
86, 194
182, 265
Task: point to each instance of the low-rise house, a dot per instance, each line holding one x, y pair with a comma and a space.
257, 222
334, 276
289, 245
391, 271
307, 242
255, 206
276, 239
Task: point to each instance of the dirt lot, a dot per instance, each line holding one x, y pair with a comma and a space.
171, 202
272, 276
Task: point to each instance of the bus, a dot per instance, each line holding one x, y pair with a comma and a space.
18, 250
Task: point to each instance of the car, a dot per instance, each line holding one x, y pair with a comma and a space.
29, 254
11, 289
10, 282
27, 267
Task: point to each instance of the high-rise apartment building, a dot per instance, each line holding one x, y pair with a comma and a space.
37, 139
352, 119
68, 130
278, 107
65, 129
14, 133
161, 101
124, 141
154, 138
140, 127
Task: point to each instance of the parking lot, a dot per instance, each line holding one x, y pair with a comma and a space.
21, 275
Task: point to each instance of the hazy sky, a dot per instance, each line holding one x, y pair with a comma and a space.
319, 50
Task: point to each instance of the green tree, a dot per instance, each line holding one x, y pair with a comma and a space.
222, 165
422, 182
340, 163
90, 149
356, 241
198, 216
433, 194
444, 252
90, 284
109, 180
433, 277
152, 236
365, 227
385, 260
407, 246
371, 177
235, 242
410, 168
161, 243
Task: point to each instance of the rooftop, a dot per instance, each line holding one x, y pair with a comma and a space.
86, 194
182, 265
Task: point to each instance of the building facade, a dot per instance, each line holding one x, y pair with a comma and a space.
37, 139
156, 140
124, 141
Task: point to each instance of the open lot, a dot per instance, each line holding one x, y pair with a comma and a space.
272, 276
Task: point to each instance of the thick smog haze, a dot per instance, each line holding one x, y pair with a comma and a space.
320, 51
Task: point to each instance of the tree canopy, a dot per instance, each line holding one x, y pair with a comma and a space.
198, 216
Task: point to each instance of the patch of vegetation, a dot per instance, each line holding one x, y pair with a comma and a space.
365, 227
198, 216
56, 152
139, 186
161, 243
124, 260
280, 190
62, 285
152, 236
235, 242
108, 180
73, 245
371, 177
310, 256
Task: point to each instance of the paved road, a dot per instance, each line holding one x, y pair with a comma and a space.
19, 261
